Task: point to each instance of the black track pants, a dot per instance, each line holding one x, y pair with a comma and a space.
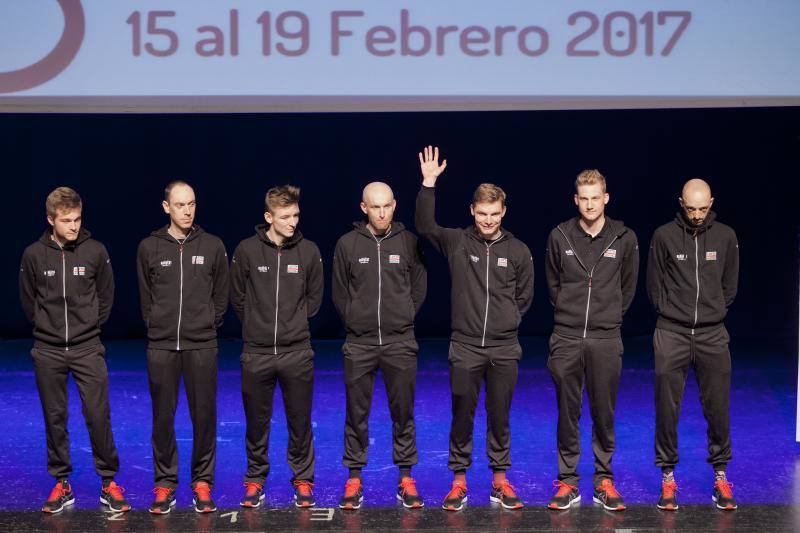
398, 364
709, 355
88, 367
199, 371
469, 367
294, 372
597, 363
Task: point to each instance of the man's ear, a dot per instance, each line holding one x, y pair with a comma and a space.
268, 217
50, 220
363, 207
165, 205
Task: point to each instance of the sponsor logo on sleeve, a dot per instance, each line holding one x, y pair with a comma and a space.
79, 271
394, 258
363, 260
711, 256
198, 259
49, 273
611, 253
292, 269
502, 261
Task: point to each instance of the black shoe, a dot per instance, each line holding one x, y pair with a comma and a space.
253, 496
353, 494
303, 493
566, 496
111, 495
505, 495
202, 498
164, 502
61, 496
668, 501
606, 495
456, 498
723, 495
407, 493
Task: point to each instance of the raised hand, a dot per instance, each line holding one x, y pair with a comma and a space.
429, 165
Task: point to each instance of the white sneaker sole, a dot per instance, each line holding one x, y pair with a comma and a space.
253, 506
65, 504
353, 507
455, 508
171, 505
500, 501
420, 506
606, 507
714, 499
576, 501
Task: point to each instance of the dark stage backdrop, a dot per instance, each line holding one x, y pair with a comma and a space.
120, 163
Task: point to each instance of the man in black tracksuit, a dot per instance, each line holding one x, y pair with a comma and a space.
379, 284
67, 288
592, 264
276, 286
492, 287
692, 277
183, 289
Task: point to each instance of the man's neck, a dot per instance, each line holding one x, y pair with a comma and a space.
178, 232
274, 237
377, 232
57, 240
594, 227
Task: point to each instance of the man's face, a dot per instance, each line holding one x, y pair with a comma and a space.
284, 220
696, 207
181, 206
379, 208
591, 201
488, 216
66, 224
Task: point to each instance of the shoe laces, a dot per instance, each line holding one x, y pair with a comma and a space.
252, 488
563, 488
59, 491
608, 487
507, 488
458, 491
725, 487
409, 486
303, 487
203, 491
668, 489
351, 487
162, 493
114, 490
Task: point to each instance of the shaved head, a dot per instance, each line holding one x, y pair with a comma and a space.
376, 190
696, 200
377, 202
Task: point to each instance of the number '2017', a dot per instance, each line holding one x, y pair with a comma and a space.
627, 27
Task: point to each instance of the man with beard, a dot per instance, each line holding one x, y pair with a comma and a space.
183, 288
276, 286
379, 284
692, 278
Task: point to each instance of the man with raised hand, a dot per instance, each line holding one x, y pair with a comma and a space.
67, 288
491, 273
379, 284
692, 278
592, 263
276, 286
183, 289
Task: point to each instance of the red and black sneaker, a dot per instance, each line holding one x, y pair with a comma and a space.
456, 498
61, 496
202, 498
668, 501
164, 502
723, 495
303, 493
407, 493
353, 494
505, 495
111, 495
254, 494
606, 495
566, 496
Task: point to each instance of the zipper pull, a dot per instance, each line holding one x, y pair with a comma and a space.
487, 251
590, 282
180, 248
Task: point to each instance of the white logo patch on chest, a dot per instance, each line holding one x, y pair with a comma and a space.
363, 260
394, 258
166, 263
49, 273
680, 257
263, 268
569, 252
474, 258
198, 259
292, 269
711, 256
611, 252
502, 261
79, 271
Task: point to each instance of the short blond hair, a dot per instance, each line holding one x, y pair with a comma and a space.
282, 196
590, 177
489, 193
62, 198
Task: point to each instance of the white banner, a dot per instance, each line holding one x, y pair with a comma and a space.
416, 53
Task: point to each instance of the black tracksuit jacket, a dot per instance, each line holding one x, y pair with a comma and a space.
692, 274
591, 281
66, 293
379, 284
275, 290
492, 283
183, 289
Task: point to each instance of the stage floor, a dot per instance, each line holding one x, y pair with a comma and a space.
765, 469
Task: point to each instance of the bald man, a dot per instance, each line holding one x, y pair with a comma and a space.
379, 284
692, 278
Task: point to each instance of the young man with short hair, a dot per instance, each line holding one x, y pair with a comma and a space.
692, 278
492, 287
183, 289
276, 286
67, 289
379, 284
592, 263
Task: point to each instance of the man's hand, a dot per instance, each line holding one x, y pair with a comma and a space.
429, 165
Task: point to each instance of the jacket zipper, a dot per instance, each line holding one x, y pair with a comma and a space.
64, 293
697, 281
180, 302
277, 293
378, 243
486, 312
